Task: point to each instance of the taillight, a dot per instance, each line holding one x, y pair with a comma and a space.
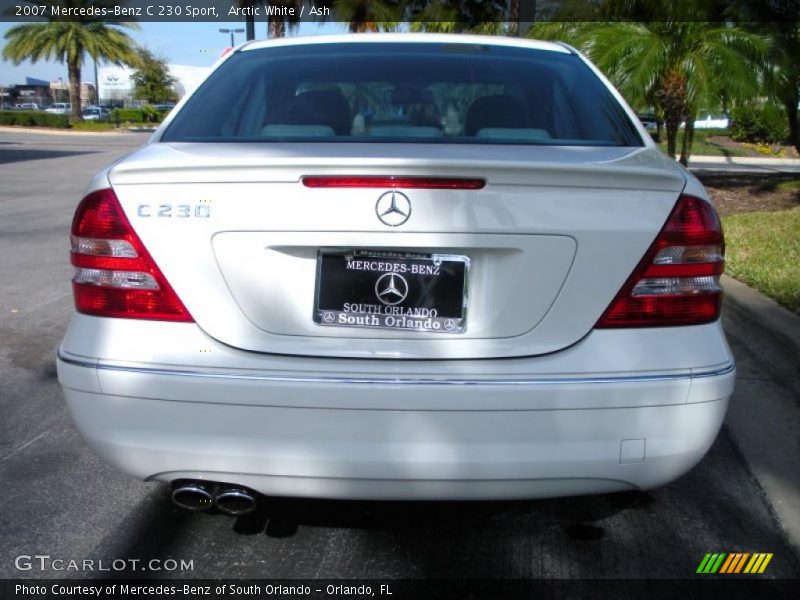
677, 281
115, 276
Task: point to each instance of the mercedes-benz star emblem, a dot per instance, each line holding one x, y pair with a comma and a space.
391, 288
393, 208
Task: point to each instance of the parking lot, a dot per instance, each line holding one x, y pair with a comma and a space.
59, 500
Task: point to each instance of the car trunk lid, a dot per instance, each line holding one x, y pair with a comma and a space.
548, 240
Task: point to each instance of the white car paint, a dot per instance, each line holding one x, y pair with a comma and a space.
530, 401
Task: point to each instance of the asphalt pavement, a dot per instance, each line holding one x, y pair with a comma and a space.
59, 500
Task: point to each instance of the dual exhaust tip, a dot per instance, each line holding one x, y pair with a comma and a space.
201, 495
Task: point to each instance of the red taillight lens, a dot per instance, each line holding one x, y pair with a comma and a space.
369, 181
115, 276
677, 281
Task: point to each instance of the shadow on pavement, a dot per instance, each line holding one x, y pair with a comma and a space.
12, 155
663, 533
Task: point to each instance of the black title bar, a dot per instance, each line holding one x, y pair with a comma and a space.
460, 14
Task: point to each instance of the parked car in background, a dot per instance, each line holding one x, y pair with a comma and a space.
712, 121
405, 266
27, 106
95, 113
59, 108
649, 121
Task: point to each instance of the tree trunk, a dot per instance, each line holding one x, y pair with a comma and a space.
688, 138
276, 28
791, 116
673, 102
659, 128
359, 24
74, 72
672, 125
513, 19
249, 19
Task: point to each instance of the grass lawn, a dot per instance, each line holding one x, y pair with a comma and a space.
763, 250
788, 186
701, 146
93, 126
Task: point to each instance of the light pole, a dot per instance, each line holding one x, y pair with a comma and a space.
231, 31
96, 85
60, 89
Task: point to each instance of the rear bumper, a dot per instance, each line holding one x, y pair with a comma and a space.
399, 437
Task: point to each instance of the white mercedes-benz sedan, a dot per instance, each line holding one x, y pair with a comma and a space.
397, 267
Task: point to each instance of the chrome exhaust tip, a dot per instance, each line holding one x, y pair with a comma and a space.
193, 495
234, 500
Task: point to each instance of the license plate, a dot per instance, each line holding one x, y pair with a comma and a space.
391, 290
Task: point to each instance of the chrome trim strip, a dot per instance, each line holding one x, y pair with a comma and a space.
390, 381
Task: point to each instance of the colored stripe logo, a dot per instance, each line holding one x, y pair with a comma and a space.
734, 562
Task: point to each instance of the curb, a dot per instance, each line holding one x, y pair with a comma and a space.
746, 160
69, 132
781, 324
764, 413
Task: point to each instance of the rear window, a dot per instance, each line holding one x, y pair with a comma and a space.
393, 92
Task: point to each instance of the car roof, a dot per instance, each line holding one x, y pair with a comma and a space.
418, 38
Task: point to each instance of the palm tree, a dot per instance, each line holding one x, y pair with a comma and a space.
439, 16
459, 16
678, 66
779, 22
367, 15
784, 76
278, 24
70, 41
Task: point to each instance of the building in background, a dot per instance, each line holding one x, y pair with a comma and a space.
33, 91
60, 92
116, 87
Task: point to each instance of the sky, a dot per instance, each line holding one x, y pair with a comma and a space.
197, 44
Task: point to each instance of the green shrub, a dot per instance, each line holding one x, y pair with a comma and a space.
765, 124
150, 114
126, 115
32, 118
143, 114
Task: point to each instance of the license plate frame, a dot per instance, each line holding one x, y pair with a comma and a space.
409, 293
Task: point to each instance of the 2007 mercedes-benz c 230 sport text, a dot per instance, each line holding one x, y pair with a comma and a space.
397, 267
